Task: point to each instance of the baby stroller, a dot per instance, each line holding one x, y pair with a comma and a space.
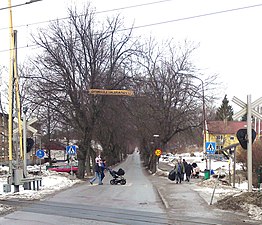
117, 176
195, 173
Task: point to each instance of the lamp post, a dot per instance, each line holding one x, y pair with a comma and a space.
203, 111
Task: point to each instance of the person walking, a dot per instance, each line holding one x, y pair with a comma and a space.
183, 173
189, 171
103, 168
180, 169
97, 170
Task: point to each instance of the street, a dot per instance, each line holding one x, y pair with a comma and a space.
145, 199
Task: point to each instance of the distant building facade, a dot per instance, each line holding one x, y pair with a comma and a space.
4, 153
223, 133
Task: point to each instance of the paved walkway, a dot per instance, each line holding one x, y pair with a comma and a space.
184, 203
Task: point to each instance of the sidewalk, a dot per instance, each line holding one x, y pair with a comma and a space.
184, 203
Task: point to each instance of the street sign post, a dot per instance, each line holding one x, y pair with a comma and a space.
40, 154
158, 152
71, 149
249, 110
210, 147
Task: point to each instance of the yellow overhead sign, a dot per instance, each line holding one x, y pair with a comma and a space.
110, 92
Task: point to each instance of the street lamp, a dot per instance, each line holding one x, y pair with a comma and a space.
203, 112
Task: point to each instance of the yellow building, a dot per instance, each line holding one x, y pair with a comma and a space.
223, 133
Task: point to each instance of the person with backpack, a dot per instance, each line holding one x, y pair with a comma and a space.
179, 169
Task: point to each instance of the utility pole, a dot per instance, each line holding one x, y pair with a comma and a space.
248, 109
249, 143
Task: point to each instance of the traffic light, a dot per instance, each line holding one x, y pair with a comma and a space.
242, 137
29, 144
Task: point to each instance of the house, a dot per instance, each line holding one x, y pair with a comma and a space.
223, 133
4, 152
56, 148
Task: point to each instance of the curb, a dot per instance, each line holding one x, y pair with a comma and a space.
164, 201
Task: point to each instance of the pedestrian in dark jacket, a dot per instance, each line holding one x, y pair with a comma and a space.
189, 171
103, 168
180, 169
183, 173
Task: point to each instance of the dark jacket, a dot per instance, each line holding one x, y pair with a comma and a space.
97, 168
189, 169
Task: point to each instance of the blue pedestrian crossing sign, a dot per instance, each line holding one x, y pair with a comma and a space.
210, 147
71, 149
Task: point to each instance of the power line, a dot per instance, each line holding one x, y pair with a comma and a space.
26, 3
195, 17
171, 21
104, 11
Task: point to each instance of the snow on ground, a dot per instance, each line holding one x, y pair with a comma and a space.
51, 182
207, 188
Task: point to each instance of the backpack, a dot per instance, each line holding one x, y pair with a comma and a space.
172, 175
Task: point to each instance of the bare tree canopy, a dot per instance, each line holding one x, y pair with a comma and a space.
83, 53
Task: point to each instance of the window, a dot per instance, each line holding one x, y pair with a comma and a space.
219, 147
232, 138
219, 137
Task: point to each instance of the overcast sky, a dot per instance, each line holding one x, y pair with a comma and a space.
230, 40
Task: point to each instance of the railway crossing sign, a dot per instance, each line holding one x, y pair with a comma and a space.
243, 105
28, 125
210, 147
71, 149
246, 137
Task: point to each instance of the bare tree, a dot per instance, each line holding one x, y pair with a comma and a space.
172, 101
80, 54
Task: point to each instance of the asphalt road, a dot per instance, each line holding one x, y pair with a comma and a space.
136, 202
145, 199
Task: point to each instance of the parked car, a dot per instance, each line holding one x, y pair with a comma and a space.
65, 168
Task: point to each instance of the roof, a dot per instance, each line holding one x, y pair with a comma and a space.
54, 145
225, 127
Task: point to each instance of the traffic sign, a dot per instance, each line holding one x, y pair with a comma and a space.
71, 149
40, 153
210, 147
243, 105
110, 92
158, 152
242, 137
28, 127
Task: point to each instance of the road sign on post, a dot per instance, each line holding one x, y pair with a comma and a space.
210, 147
71, 149
158, 152
40, 153
249, 110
